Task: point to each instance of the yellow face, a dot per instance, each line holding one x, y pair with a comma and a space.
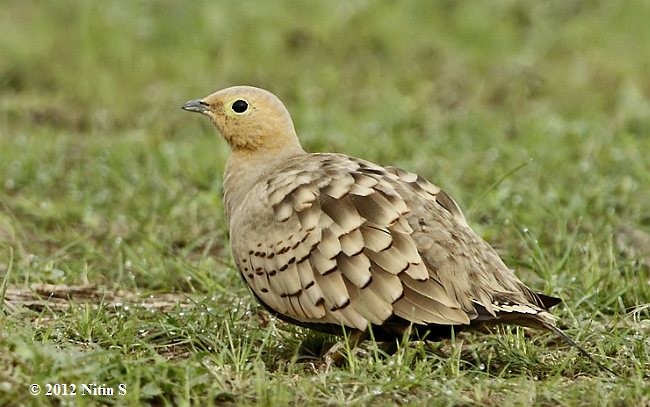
248, 118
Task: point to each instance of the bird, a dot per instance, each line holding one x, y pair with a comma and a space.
342, 245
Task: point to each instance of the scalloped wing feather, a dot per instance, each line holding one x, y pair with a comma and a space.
343, 241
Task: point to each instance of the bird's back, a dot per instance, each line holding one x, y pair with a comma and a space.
325, 240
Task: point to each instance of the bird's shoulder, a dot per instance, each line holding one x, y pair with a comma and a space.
297, 183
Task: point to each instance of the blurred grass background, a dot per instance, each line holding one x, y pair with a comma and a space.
535, 116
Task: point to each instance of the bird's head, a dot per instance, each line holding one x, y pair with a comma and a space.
250, 119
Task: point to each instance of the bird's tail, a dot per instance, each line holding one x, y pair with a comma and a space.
535, 317
568, 340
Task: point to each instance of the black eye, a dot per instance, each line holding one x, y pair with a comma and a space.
239, 106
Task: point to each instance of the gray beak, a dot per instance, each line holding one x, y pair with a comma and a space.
196, 105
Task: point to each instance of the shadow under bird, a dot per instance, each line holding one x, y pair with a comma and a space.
334, 243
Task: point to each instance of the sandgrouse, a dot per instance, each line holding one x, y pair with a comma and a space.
333, 242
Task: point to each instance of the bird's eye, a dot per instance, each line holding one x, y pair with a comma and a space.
239, 106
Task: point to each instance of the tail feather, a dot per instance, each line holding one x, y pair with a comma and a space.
534, 317
567, 339
547, 301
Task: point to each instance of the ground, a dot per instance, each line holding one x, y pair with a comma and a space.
114, 259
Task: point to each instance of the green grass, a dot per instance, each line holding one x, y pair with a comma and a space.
535, 116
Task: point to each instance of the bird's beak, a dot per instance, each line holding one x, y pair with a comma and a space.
196, 105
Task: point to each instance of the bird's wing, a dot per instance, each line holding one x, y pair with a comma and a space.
351, 242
